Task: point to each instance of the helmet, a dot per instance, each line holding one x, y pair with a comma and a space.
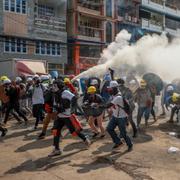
132, 82
143, 83
18, 79
36, 77
91, 90
3, 78
94, 82
170, 88
113, 84
175, 97
67, 80
6, 81
29, 79
44, 77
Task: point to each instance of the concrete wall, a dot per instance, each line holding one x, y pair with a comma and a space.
36, 33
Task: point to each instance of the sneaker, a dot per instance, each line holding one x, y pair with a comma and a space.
4, 132
42, 135
102, 136
88, 142
95, 135
116, 146
55, 152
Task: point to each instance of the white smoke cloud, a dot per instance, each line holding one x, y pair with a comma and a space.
153, 52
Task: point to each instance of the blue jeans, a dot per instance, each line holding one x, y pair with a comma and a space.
143, 111
121, 123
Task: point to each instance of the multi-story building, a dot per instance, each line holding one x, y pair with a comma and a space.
35, 30
91, 25
149, 16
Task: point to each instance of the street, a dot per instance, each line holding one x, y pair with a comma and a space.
23, 157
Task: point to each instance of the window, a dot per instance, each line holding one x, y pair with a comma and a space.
6, 5
108, 32
18, 6
109, 8
15, 45
44, 10
12, 5
48, 48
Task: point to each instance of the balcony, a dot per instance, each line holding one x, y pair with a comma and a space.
129, 20
153, 5
149, 25
89, 33
164, 9
51, 23
89, 11
173, 32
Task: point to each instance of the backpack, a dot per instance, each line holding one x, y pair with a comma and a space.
126, 107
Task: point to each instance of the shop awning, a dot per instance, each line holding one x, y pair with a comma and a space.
27, 67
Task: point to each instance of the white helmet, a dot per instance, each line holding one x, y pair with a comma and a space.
18, 79
113, 84
44, 77
170, 88
6, 81
29, 79
36, 77
132, 82
94, 82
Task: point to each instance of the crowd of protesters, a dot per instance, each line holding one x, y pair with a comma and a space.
59, 101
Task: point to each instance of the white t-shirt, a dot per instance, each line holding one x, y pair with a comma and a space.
38, 96
118, 112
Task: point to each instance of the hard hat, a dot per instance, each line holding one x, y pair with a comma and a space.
94, 82
6, 81
170, 88
44, 77
143, 83
18, 79
66, 80
132, 82
29, 79
91, 90
36, 77
113, 84
3, 78
175, 97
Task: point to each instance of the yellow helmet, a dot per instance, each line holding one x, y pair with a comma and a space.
175, 97
143, 83
66, 80
3, 78
91, 90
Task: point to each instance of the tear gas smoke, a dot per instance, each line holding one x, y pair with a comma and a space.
152, 53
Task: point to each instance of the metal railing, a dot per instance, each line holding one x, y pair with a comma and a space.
49, 22
89, 31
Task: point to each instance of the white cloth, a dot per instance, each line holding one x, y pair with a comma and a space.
38, 97
118, 112
66, 95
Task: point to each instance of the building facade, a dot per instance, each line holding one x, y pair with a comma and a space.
149, 16
91, 26
35, 30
